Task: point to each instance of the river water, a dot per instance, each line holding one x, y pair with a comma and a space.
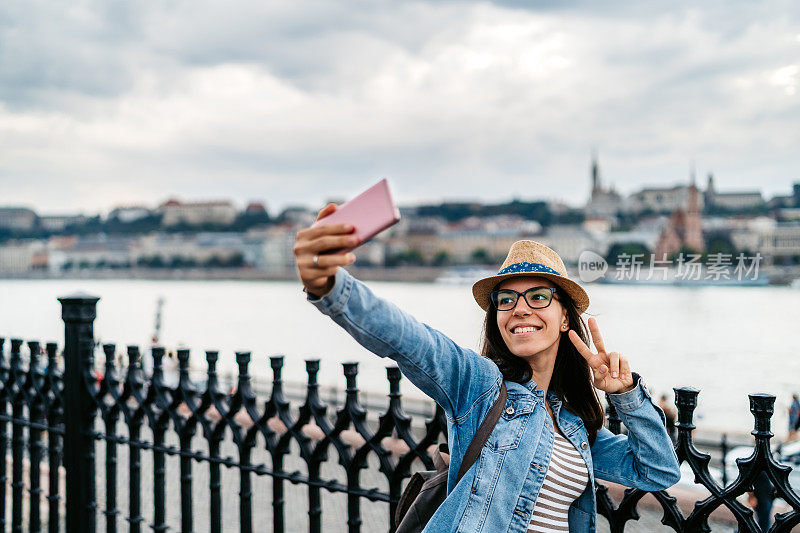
726, 341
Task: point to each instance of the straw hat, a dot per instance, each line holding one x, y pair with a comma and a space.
530, 258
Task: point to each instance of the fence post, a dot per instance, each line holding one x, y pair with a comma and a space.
78, 313
724, 451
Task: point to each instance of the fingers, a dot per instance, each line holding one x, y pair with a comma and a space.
306, 248
625, 373
327, 210
318, 277
329, 242
597, 338
329, 260
323, 229
613, 363
580, 345
595, 360
616, 376
600, 374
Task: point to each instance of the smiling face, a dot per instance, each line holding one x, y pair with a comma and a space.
526, 331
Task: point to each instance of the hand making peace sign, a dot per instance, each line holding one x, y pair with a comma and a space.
611, 370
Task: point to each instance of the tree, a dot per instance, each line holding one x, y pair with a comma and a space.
441, 258
411, 257
686, 251
155, 261
234, 261
245, 221
480, 256
213, 262
627, 248
720, 244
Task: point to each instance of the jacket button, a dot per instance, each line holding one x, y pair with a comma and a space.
584, 445
510, 410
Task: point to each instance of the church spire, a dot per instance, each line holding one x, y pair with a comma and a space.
595, 173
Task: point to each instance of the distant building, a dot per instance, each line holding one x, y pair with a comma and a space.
17, 218
746, 234
271, 248
175, 212
21, 257
129, 214
460, 241
684, 228
661, 199
792, 200
777, 242
421, 234
732, 201
90, 251
604, 202
569, 241
255, 208
646, 232
301, 216
788, 213
60, 222
597, 225
779, 201
198, 250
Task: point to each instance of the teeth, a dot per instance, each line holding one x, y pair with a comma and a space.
528, 329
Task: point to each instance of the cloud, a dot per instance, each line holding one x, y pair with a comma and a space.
296, 102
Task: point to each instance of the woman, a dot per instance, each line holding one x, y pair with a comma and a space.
537, 469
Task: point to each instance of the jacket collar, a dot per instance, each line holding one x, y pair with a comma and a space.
566, 420
537, 393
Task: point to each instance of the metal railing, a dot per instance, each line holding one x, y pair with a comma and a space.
57, 418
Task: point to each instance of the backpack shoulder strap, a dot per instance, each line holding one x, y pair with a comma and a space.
474, 449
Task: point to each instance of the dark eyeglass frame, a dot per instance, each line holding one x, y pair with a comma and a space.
494, 295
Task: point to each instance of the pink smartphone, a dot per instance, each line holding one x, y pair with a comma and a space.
370, 213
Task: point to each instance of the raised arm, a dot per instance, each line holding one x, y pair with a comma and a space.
645, 458
453, 376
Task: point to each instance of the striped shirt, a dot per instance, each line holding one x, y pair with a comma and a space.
565, 480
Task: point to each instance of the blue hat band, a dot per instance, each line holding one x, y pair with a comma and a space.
528, 267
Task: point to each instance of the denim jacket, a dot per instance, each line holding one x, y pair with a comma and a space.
498, 493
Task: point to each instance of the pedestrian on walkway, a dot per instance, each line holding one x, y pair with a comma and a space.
537, 469
670, 414
761, 499
794, 418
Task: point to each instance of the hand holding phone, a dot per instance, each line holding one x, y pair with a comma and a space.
369, 213
321, 249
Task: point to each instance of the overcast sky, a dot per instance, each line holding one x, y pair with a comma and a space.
106, 103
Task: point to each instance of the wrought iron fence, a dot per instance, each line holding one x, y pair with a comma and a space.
57, 416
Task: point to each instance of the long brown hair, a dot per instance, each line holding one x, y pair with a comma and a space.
571, 380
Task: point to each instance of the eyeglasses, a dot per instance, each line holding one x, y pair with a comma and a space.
535, 297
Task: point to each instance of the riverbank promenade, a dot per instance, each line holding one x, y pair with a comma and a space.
93, 442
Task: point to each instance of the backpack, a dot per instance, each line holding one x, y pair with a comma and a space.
427, 490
